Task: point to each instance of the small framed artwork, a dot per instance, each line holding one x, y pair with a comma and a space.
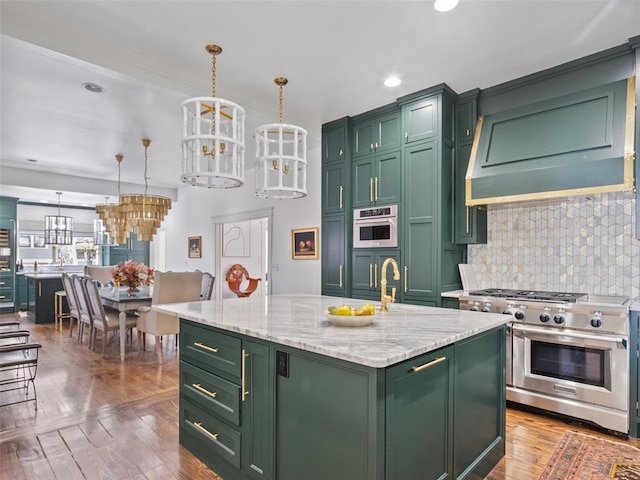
24, 240
195, 247
305, 243
38, 241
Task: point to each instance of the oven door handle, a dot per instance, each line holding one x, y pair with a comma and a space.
519, 331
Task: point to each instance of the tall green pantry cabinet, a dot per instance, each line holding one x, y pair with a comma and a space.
8, 213
336, 209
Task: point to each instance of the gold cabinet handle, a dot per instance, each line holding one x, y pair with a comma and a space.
406, 281
377, 146
406, 136
197, 386
371, 148
341, 152
375, 274
341, 271
199, 426
39, 289
370, 276
468, 226
2, 283
376, 189
371, 189
429, 364
244, 376
468, 132
1, 297
341, 192
205, 347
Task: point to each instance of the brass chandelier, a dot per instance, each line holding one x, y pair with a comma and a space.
144, 212
112, 215
213, 138
281, 157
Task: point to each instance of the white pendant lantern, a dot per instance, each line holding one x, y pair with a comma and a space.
213, 138
58, 229
281, 157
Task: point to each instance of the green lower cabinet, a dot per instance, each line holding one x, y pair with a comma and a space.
22, 301
419, 415
334, 247
450, 303
41, 299
367, 273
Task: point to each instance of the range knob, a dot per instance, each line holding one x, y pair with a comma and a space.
519, 315
544, 317
559, 319
486, 308
474, 308
596, 322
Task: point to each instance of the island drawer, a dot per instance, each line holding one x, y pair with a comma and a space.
210, 349
211, 392
211, 434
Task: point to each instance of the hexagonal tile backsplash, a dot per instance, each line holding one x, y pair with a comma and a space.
580, 244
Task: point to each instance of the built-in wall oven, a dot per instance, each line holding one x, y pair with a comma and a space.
375, 227
568, 352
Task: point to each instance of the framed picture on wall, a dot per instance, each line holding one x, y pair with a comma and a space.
305, 243
38, 241
195, 247
24, 240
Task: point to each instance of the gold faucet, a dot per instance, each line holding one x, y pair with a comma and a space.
384, 298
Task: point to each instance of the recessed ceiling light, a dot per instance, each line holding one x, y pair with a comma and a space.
93, 87
445, 5
32, 160
392, 82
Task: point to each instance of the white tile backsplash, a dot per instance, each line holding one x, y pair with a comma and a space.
578, 244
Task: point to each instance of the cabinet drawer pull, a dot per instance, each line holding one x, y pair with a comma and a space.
341, 193
376, 189
406, 136
428, 364
406, 281
2, 297
39, 289
468, 132
203, 346
2, 283
371, 189
370, 275
244, 376
207, 432
371, 148
204, 390
377, 145
341, 271
341, 152
468, 225
375, 275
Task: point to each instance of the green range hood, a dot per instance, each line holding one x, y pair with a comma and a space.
572, 145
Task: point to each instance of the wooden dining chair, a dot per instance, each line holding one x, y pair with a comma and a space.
168, 287
104, 320
71, 301
84, 313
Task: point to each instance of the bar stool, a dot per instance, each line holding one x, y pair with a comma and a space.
58, 302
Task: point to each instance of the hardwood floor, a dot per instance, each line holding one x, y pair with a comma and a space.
103, 418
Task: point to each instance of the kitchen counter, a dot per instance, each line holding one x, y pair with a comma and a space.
300, 321
268, 382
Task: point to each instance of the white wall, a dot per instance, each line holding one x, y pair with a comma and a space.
192, 215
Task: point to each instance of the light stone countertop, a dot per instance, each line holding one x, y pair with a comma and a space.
300, 321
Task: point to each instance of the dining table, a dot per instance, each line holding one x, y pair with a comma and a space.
124, 301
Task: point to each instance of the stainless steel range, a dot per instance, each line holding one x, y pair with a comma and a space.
566, 352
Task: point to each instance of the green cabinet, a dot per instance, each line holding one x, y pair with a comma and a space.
226, 401
421, 120
376, 132
333, 257
41, 298
22, 300
376, 179
336, 208
367, 273
634, 384
419, 410
132, 249
429, 255
8, 212
470, 222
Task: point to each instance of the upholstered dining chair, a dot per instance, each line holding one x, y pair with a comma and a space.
67, 284
103, 320
207, 286
168, 287
84, 312
102, 274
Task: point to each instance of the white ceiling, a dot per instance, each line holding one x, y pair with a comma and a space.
149, 56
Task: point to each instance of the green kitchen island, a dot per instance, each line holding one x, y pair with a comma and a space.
270, 389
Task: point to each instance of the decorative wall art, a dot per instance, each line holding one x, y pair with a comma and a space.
236, 239
195, 247
305, 244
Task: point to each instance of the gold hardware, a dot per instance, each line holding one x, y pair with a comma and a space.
243, 382
468, 132
384, 298
2, 297
341, 270
377, 146
39, 289
370, 276
204, 390
376, 189
212, 153
203, 346
429, 364
200, 427
341, 152
285, 169
375, 275
1, 283
406, 136
468, 227
406, 281
371, 189
371, 148
341, 190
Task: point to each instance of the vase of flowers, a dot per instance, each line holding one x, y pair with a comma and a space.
132, 275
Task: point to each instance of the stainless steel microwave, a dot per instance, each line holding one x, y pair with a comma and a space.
375, 227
